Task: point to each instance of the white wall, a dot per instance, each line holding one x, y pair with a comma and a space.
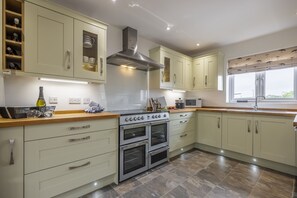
125, 89
279, 40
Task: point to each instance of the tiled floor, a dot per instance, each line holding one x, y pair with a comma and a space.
200, 174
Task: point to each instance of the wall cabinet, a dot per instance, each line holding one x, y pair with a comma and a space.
174, 74
209, 128
274, 139
182, 130
59, 45
11, 162
205, 71
237, 133
188, 78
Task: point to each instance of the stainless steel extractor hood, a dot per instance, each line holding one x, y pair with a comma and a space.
129, 57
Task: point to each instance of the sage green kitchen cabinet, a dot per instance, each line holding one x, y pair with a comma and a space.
237, 133
209, 128
274, 139
206, 71
11, 162
173, 74
48, 42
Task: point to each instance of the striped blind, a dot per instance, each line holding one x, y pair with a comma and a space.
277, 59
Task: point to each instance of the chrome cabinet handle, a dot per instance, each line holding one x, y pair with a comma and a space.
81, 127
205, 80
249, 126
183, 115
194, 79
184, 135
80, 139
219, 123
101, 66
174, 81
68, 52
80, 166
185, 121
11, 143
134, 145
162, 78
257, 131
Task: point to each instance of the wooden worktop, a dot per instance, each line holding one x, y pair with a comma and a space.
274, 112
57, 118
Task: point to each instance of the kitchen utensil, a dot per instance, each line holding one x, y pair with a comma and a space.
162, 102
88, 41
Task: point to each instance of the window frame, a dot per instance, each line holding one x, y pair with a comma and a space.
260, 89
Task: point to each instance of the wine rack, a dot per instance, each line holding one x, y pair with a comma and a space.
13, 35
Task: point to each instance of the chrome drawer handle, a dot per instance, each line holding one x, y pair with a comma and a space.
183, 121
219, 123
80, 166
11, 143
101, 66
79, 139
249, 126
81, 127
183, 135
257, 127
183, 115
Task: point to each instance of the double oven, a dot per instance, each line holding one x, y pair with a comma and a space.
143, 142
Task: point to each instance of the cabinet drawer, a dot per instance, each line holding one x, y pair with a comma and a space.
54, 181
181, 140
42, 154
174, 116
181, 125
36, 132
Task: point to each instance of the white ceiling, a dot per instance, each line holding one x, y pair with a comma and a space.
212, 23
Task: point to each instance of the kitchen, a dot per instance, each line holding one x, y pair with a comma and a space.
127, 89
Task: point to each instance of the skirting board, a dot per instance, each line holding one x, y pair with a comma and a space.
249, 159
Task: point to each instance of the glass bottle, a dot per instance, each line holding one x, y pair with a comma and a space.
40, 101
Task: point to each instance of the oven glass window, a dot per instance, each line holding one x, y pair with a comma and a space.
134, 133
134, 159
158, 157
158, 134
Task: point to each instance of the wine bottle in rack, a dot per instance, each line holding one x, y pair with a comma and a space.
14, 65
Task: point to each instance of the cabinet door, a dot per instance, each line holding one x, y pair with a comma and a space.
188, 77
49, 42
274, 139
166, 76
209, 129
237, 133
11, 175
198, 74
89, 51
210, 72
178, 70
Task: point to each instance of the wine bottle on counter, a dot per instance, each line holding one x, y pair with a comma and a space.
40, 101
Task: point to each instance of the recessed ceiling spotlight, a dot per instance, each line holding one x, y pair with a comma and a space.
198, 44
168, 28
114, 1
132, 5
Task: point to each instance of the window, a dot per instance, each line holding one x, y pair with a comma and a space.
275, 85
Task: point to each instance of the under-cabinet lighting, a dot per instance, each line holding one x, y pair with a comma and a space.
179, 91
64, 81
254, 160
222, 151
95, 183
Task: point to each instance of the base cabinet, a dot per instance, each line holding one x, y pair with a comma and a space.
209, 129
274, 139
237, 133
11, 174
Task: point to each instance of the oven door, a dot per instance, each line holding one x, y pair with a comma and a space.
133, 133
158, 136
133, 159
158, 157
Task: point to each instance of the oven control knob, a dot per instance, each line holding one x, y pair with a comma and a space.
134, 119
164, 116
126, 119
159, 116
153, 116
130, 119
142, 118
138, 118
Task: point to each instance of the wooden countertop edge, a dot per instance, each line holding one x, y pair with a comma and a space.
59, 118
239, 111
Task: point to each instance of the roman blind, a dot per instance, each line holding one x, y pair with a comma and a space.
277, 59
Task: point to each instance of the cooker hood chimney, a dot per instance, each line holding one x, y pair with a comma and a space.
130, 57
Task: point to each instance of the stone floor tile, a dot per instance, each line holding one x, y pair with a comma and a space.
219, 192
126, 186
106, 192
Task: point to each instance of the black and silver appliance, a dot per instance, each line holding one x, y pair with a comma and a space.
143, 141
